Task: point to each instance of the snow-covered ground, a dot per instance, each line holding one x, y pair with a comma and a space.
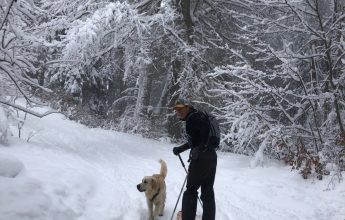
70, 172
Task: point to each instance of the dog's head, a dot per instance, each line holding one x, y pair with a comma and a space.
147, 184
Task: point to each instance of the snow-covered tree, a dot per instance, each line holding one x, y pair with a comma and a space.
285, 93
104, 59
4, 127
18, 73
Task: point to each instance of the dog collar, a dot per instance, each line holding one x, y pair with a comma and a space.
155, 195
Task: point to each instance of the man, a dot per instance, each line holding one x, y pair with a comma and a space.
203, 163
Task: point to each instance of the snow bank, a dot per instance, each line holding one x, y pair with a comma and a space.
24, 199
10, 166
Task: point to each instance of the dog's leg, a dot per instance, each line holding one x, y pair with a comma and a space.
150, 207
161, 209
157, 209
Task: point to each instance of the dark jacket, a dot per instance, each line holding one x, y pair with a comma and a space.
197, 129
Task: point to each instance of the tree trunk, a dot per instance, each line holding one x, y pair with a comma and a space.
174, 129
184, 7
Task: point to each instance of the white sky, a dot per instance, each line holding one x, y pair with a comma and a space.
70, 172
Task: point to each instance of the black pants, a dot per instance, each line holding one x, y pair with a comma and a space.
201, 173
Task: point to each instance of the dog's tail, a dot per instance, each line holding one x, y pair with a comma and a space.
164, 169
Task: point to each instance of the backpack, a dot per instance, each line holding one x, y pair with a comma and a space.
213, 140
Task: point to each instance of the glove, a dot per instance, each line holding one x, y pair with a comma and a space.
178, 150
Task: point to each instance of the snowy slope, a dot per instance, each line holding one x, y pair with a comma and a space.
70, 172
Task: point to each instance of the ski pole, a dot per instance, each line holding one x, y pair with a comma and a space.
179, 156
178, 199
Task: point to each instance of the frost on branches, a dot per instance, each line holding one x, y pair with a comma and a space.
285, 95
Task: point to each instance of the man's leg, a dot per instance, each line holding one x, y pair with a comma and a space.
190, 196
189, 204
207, 192
209, 204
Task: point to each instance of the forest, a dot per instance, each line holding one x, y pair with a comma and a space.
271, 71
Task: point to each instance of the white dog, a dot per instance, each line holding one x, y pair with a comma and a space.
155, 191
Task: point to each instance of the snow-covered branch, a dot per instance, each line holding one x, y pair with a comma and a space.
25, 109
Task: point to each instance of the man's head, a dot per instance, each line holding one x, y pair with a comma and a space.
181, 108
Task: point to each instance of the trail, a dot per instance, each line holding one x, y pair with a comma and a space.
89, 174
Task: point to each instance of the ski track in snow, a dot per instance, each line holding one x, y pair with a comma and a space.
91, 174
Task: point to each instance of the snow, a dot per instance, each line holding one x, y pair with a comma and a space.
10, 166
67, 171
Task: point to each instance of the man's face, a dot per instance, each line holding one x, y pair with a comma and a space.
181, 112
